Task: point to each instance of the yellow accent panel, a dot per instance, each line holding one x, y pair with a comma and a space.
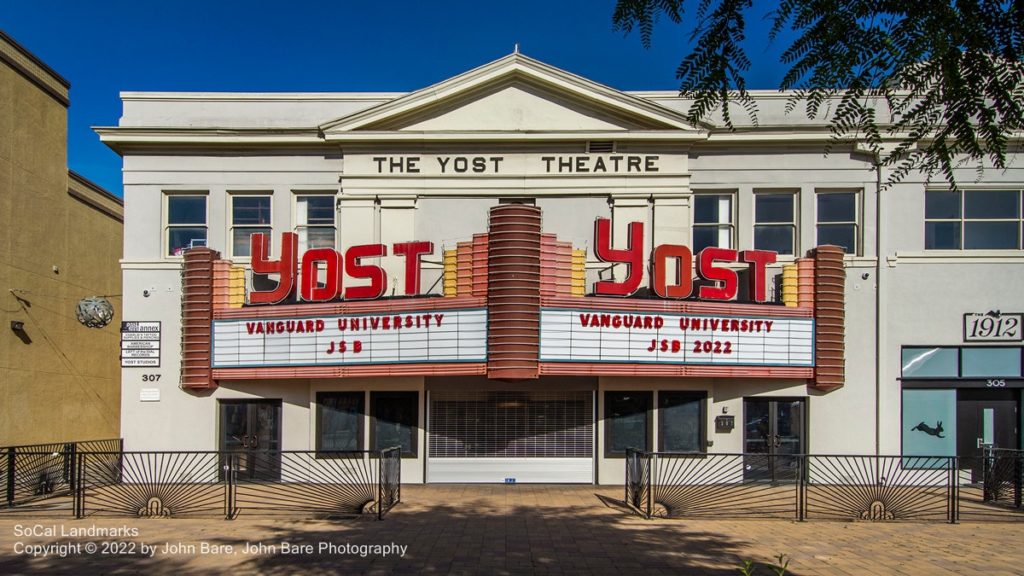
579, 273
789, 285
236, 287
450, 270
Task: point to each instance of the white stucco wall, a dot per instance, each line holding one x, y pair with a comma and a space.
923, 294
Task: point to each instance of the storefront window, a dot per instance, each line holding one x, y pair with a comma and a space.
990, 362
930, 363
626, 422
395, 421
680, 421
929, 425
339, 421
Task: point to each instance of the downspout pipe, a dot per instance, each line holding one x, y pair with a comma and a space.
878, 306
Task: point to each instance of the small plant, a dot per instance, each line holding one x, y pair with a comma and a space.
749, 567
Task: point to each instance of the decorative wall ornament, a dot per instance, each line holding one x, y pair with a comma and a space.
95, 312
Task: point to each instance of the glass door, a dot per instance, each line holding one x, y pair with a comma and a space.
252, 430
774, 431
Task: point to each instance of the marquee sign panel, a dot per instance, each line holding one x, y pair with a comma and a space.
402, 337
578, 335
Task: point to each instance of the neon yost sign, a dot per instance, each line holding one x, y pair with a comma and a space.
726, 282
336, 267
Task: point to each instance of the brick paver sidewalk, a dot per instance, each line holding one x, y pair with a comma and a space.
497, 529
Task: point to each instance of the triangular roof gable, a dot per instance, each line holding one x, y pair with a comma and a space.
516, 71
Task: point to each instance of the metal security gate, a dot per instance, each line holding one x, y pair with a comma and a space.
507, 436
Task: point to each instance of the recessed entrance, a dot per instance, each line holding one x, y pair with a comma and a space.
253, 428
774, 431
511, 436
984, 419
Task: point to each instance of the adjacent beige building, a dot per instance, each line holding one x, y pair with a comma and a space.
60, 241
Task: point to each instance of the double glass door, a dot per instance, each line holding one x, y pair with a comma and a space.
774, 434
251, 429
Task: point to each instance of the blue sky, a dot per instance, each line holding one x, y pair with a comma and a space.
104, 47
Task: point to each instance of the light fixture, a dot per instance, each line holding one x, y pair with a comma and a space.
17, 325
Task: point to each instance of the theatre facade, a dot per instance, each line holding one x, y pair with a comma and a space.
518, 273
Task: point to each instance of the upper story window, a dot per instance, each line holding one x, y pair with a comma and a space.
775, 222
837, 220
250, 214
712, 221
972, 220
186, 222
314, 221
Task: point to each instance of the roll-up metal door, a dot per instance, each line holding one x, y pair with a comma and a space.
502, 436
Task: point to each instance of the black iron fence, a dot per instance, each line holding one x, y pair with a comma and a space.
834, 487
40, 471
197, 484
1002, 471
990, 485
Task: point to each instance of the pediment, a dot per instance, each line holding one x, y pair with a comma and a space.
514, 94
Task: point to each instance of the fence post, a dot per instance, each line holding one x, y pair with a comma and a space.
78, 487
1017, 462
801, 489
229, 488
986, 472
652, 460
10, 476
954, 488
380, 485
70, 462
625, 496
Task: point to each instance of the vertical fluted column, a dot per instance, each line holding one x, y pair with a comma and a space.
197, 318
513, 292
829, 318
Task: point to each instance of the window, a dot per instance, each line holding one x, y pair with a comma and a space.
930, 363
186, 222
972, 220
626, 422
339, 421
837, 220
250, 214
990, 362
775, 222
926, 415
681, 421
395, 420
314, 221
712, 221
955, 362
